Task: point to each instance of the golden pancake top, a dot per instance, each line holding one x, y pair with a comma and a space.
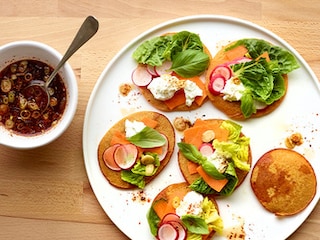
283, 181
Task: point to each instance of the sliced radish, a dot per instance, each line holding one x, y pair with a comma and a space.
206, 149
182, 231
216, 84
167, 232
164, 149
224, 70
152, 71
108, 157
169, 217
165, 68
141, 76
125, 155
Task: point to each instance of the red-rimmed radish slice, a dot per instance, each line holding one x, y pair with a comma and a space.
224, 70
167, 231
140, 76
165, 68
182, 231
206, 149
152, 71
216, 84
125, 155
169, 217
164, 148
108, 157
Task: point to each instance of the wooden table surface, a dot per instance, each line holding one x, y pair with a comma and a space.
45, 193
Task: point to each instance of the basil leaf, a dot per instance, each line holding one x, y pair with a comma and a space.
147, 138
190, 63
191, 153
182, 41
212, 171
195, 224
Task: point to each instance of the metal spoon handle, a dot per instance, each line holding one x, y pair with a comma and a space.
87, 30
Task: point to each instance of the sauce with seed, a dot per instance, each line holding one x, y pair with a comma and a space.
20, 107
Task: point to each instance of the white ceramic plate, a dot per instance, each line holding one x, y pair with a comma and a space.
299, 112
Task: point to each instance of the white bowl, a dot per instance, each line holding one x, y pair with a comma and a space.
19, 50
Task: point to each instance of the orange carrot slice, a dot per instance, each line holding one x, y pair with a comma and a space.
193, 135
177, 100
216, 184
162, 208
179, 97
236, 52
150, 122
118, 138
192, 167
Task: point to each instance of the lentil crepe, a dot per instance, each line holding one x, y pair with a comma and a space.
133, 161
248, 78
283, 181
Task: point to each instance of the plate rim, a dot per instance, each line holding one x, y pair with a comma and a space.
166, 24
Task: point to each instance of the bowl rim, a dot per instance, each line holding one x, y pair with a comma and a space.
20, 141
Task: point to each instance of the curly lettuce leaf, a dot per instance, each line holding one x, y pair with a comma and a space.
184, 49
262, 79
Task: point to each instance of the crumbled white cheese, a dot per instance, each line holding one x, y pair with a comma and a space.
165, 86
190, 204
133, 127
219, 161
191, 91
233, 91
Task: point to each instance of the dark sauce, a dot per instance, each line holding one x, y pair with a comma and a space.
21, 107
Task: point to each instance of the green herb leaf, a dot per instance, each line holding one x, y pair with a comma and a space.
195, 224
159, 49
211, 170
190, 152
147, 138
190, 63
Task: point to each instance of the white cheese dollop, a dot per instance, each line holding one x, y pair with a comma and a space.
133, 127
233, 91
190, 204
219, 161
165, 86
191, 91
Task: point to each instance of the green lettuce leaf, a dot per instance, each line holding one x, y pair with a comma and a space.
153, 221
211, 215
184, 49
135, 179
263, 80
152, 51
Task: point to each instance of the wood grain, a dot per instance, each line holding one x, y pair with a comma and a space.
45, 193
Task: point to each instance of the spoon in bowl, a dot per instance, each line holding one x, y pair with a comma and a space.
87, 30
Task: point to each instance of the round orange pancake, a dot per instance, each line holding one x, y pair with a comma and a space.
283, 181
